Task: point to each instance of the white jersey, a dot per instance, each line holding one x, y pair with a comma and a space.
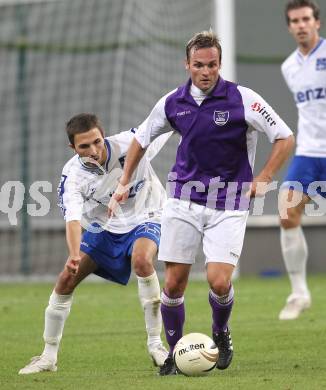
306, 79
85, 192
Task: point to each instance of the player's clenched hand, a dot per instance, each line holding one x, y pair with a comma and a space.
120, 195
72, 264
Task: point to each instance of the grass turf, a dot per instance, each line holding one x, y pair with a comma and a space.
104, 343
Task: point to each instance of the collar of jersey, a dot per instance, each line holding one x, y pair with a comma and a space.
301, 57
99, 169
219, 91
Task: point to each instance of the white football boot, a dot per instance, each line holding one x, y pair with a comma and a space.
38, 364
158, 353
295, 305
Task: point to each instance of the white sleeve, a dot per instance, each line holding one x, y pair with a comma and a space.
71, 200
262, 117
123, 140
155, 124
157, 145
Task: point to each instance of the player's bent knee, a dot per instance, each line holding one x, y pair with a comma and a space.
289, 224
142, 264
220, 286
292, 220
174, 288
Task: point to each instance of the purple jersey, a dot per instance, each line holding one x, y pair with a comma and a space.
215, 156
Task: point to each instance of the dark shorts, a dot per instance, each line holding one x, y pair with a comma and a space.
112, 251
307, 175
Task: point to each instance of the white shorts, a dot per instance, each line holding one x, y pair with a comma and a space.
185, 224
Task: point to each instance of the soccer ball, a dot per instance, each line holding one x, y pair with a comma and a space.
195, 354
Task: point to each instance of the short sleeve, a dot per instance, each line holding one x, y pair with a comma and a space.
154, 125
262, 117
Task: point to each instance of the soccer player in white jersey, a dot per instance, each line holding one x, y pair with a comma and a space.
218, 122
107, 247
305, 74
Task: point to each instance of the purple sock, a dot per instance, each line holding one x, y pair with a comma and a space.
221, 311
173, 316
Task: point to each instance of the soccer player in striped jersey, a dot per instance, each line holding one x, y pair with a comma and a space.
218, 122
108, 247
305, 74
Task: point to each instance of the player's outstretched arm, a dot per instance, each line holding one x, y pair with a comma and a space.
134, 155
73, 237
282, 149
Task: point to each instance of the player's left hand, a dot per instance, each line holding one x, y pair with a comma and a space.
258, 187
72, 264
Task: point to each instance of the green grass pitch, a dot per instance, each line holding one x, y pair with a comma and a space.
104, 340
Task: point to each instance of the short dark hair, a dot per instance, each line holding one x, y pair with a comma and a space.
202, 40
295, 4
82, 123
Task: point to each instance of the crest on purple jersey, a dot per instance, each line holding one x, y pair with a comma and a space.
221, 117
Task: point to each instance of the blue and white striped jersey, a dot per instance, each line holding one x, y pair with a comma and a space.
306, 79
85, 192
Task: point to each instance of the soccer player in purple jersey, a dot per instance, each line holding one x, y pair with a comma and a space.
305, 74
210, 183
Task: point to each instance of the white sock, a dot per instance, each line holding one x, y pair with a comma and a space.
55, 316
149, 295
295, 255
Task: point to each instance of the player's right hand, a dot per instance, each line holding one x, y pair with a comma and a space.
120, 195
72, 264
